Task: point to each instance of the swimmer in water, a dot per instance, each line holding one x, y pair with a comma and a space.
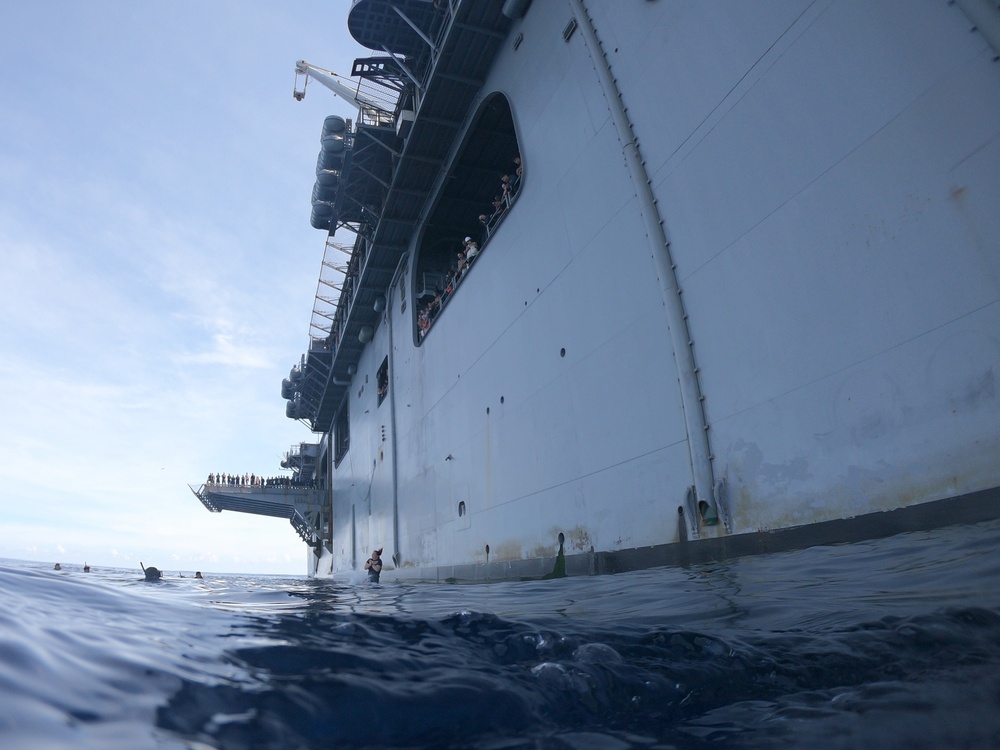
57, 567
197, 574
86, 568
374, 565
152, 574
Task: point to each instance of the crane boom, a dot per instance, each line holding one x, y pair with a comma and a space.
333, 82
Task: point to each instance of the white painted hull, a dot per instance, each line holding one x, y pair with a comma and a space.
827, 175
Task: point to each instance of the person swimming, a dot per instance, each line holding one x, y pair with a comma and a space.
57, 567
152, 574
374, 565
197, 574
86, 568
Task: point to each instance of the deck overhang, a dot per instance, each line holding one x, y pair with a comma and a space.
297, 504
450, 62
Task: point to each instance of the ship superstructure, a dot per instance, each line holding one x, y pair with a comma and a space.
635, 283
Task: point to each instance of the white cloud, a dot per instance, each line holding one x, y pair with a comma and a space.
157, 268
225, 352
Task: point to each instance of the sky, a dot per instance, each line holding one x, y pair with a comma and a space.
157, 271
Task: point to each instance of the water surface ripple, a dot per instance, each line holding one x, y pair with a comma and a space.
893, 643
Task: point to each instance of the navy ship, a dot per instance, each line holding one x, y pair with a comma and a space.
610, 285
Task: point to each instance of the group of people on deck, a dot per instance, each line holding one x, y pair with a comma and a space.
252, 480
429, 310
464, 259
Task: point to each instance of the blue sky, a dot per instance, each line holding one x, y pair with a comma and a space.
157, 270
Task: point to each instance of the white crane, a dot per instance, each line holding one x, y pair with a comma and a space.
371, 110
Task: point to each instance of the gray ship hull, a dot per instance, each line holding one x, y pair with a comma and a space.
749, 286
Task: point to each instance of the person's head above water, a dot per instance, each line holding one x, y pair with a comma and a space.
151, 573
376, 553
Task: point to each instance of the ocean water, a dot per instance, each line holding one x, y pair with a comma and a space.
893, 643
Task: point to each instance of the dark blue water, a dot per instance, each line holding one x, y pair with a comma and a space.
893, 643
